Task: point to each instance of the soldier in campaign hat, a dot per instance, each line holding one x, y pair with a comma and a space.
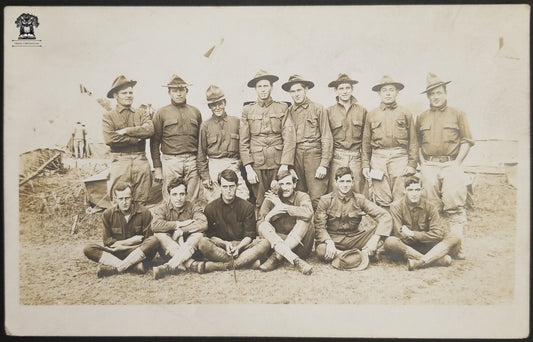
314, 143
267, 136
125, 130
346, 120
445, 140
174, 146
218, 147
390, 148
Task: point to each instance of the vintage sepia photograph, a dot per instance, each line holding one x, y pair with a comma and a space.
277, 171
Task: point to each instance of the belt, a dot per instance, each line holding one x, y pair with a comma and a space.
127, 153
440, 159
181, 155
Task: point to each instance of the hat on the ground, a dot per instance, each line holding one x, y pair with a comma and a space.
342, 78
296, 79
118, 83
214, 94
262, 75
352, 260
176, 82
387, 80
433, 81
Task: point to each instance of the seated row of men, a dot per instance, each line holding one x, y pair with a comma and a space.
381, 146
227, 234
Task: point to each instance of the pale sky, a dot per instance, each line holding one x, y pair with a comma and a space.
93, 46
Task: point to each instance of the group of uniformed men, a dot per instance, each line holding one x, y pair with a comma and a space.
314, 172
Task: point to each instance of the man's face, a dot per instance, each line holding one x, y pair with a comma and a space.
263, 88
123, 199
437, 97
344, 184
414, 192
228, 190
344, 91
286, 186
298, 93
388, 94
178, 95
124, 97
218, 108
178, 196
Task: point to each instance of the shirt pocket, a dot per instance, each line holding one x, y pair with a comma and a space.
258, 156
234, 143
211, 140
311, 128
376, 128
192, 127
424, 132
255, 123
170, 127
276, 121
450, 132
357, 128
117, 231
401, 132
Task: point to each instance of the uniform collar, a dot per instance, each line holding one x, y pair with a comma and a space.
353, 101
265, 103
304, 104
391, 106
121, 108
344, 198
178, 104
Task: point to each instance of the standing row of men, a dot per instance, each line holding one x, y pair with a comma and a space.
380, 147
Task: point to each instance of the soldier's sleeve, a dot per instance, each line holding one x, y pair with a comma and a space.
244, 142
155, 140
413, 143
436, 227
380, 215
147, 223
111, 138
200, 221
321, 219
160, 223
266, 206
326, 139
366, 148
397, 219
417, 130
288, 134
249, 223
201, 159
145, 130
108, 224
303, 211
464, 130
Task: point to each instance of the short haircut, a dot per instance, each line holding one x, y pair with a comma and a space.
121, 186
175, 182
286, 173
412, 180
342, 171
228, 175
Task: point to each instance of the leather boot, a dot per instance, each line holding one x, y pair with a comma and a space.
271, 263
161, 271
136, 256
414, 264
445, 261
106, 271
302, 266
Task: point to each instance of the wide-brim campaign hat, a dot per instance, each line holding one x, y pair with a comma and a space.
119, 82
342, 78
387, 80
351, 260
214, 94
262, 75
176, 82
433, 81
296, 79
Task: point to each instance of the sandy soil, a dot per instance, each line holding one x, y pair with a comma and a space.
54, 271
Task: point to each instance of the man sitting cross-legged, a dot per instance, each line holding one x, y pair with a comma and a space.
232, 237
286, 221
178, 225
419, 233
128, 239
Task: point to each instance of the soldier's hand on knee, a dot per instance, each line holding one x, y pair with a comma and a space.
208, 184
331, 251
251, 176
321, 172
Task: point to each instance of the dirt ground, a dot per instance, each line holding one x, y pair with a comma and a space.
54, 271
